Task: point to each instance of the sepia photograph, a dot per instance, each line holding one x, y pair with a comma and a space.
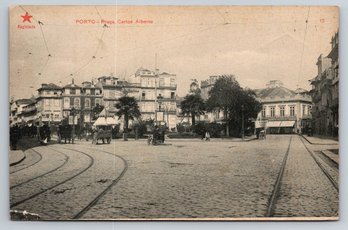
213, 113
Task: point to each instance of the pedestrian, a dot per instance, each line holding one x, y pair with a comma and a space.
207, 136
155, 135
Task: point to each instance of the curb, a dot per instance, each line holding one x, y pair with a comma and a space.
19, 161
329, 158
312, 143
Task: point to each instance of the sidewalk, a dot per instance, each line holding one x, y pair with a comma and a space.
334, 157
16, 157
321, 140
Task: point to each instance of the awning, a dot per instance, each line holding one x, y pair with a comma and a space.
271, 124
105, 121
287, 124
277, 124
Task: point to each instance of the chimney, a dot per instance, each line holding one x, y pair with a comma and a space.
72, 81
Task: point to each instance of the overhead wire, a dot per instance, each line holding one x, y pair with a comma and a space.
303, 47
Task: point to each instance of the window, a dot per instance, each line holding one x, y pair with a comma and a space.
56, 103
172, 82
66, 102
88, 91
87, 118
56, 116
309, 109
172, 95
272, 111
282, 111
161, 82
97, 101
47, 102
77, 103
87, 103
111, 94
263, 113
303, 110
72, 91
292, 110
143, 96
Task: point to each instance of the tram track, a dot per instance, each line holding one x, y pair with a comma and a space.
30, 165
108, 188
321, 166
276, 188
57, 184
66, 159
94, 200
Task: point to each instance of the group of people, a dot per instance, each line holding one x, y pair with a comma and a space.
158, 135
43, 133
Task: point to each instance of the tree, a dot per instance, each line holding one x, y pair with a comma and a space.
194, 87
226, 95
96, 111
192, 105
128, 109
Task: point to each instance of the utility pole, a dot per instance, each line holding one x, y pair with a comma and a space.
156, 75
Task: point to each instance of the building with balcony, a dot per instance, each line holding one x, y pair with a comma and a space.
334, 105
83, 99
325, 92
23, 111
283, 110
112, 88
156, 95
49, 103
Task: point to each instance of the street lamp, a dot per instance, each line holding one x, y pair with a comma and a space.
159, 99
50, 119
73, 113
243, 122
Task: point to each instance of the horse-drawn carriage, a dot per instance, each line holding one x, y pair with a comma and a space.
64, 133
102, 132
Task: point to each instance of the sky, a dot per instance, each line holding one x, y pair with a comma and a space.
256, 44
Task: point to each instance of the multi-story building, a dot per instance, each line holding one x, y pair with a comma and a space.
29, 111
156, 95
49, 103
215, 116
82, 99
325, 93
91, 97
23, 111
283, 110
334, 84
112, 89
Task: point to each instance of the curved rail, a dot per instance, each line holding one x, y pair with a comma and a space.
56, 185
34, 163
66, 158
98, 197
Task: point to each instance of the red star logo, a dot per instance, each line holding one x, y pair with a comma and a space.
26, 17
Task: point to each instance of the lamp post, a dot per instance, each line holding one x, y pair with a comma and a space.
159, 99
73, 113
243, 122
50, 120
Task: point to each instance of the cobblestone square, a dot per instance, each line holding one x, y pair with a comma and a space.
221, 178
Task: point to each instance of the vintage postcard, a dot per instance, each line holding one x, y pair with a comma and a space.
174, 112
